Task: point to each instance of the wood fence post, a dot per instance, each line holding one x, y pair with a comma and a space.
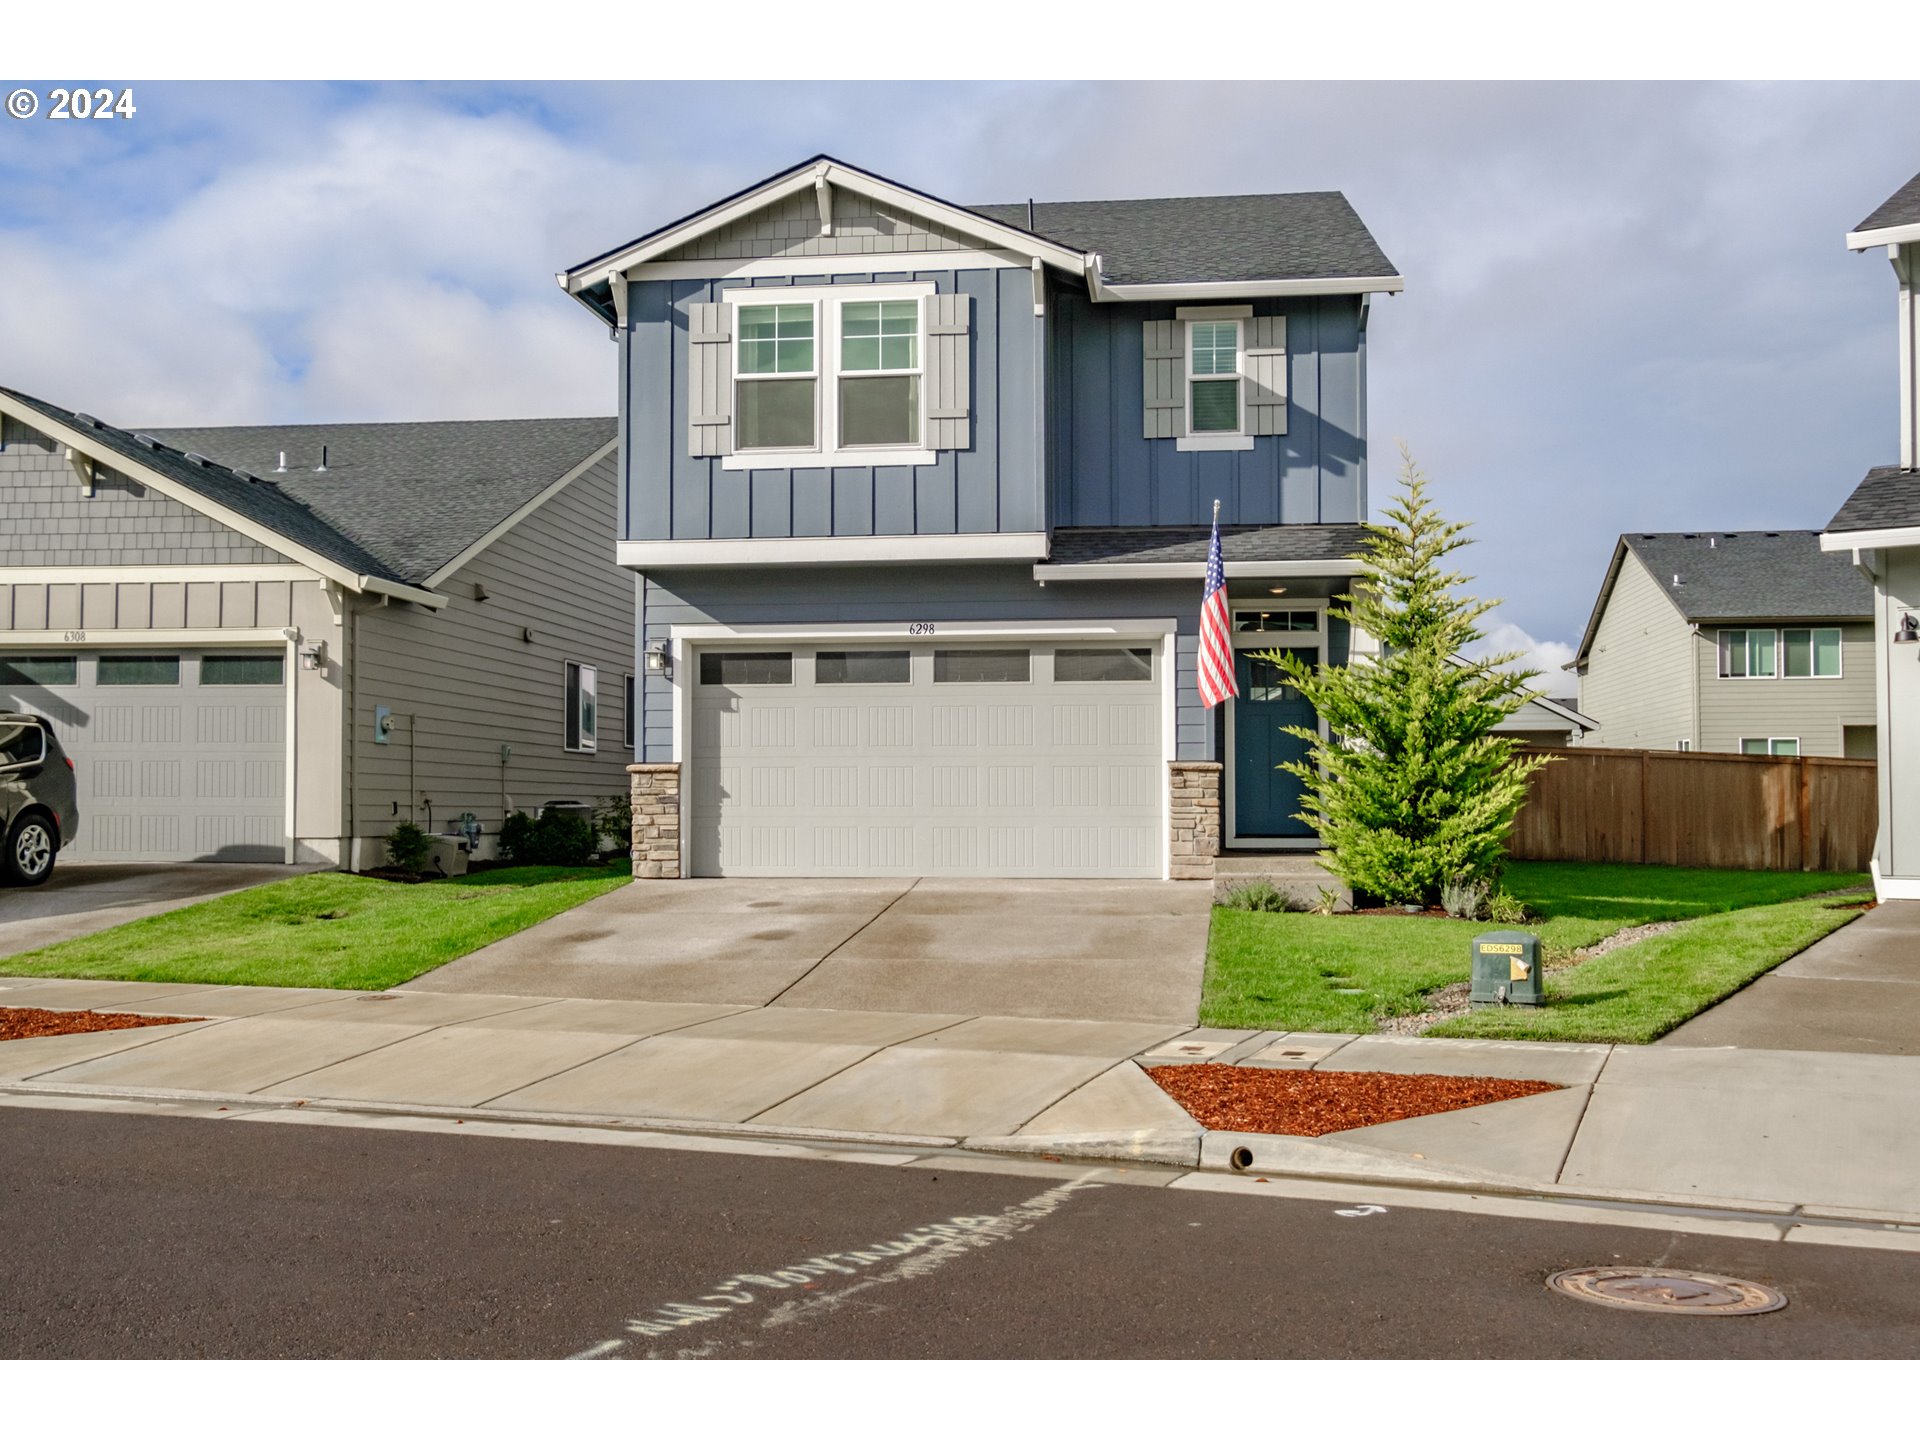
1805, 809
1646, 760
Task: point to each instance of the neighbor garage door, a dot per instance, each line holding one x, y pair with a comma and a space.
179, 754
942, 759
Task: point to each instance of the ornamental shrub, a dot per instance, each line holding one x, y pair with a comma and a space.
408, 847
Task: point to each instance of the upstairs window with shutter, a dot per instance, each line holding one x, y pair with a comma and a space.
775, 380
880, 372
1213, 377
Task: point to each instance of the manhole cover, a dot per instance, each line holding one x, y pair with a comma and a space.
1685, 1292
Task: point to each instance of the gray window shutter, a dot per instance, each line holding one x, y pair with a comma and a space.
949, 372
1165, 416
1265, 365
710, 379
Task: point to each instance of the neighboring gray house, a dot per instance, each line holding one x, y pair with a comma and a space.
1755, 642
919, 493
252, 656
1878, 531
1546, 721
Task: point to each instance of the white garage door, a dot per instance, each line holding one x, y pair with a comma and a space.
945, 759
178, 754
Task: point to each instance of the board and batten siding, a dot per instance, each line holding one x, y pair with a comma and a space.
474, 683
992, 485
1105, 470
1638, 684
210, 605
827, 595
1812, 711
47, 520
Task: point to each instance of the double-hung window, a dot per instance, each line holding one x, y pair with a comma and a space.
776, 382
879, 372
831, 376
1213, 377
1747, 655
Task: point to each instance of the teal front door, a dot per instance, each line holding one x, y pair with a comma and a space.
1265, 797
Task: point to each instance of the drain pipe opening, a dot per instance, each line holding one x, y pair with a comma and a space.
1241, 1159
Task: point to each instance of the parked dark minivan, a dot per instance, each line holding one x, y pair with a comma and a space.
39, 811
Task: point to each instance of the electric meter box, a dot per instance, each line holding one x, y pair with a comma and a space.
1506, 969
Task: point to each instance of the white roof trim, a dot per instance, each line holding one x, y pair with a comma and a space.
878, 262
1197, 570
1886, 235
523, 512
194, 500
795, 181
1253, 289
1890, 539
829, 550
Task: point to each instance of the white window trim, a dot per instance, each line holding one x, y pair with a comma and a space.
1779, 660
1840, 649
1771, 741
827, 450
589, 740
1236, 438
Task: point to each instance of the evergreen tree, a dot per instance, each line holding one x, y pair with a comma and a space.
1413, 790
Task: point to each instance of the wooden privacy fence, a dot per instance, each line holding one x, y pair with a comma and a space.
1669, 807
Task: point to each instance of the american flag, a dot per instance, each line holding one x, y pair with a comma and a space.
1216, 644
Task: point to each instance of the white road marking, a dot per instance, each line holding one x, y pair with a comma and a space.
916, 1254
1360, 1210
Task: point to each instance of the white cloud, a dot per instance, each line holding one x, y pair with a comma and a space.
1546, 656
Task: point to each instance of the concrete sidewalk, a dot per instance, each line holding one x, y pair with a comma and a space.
1856, 991
1769, 1131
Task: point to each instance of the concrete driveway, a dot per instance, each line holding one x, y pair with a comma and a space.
1051, 949
80, 899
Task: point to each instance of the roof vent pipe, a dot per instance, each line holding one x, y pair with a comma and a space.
281, 468
321, 468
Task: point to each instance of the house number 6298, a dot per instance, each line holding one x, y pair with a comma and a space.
920, 627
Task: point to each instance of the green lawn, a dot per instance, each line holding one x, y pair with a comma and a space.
329, 930
1343, 973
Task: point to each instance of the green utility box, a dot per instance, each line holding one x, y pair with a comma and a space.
1506, 969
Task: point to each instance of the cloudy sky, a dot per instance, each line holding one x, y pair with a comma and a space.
1628, 306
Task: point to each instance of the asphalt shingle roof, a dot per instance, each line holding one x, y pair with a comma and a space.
1754, 575
1888, 499
1188, 544
1312, 235
413, 494
1900, 208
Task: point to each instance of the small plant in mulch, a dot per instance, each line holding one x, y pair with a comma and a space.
24, 1022
408, 847
1322, 1102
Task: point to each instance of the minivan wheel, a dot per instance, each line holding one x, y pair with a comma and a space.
29, 854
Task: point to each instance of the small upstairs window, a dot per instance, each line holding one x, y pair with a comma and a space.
1747, 655
1811, 654
880, 372
776, 379
1213, 370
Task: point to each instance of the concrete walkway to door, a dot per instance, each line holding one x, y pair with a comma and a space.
1050, 949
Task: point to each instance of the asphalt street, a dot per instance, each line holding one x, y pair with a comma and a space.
156, 1236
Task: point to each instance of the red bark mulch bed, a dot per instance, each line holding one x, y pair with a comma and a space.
21, 1022
1319, 1102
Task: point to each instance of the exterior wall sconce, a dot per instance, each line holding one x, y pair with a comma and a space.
659, 658
1909, 630
314, 656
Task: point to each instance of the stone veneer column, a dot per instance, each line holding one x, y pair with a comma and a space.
1194, 835
656, 821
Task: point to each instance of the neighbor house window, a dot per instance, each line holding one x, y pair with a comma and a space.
1213, 370
1811, 654
241, 669
1747, 654
629, 711
1771, 745
776, 378
583, 719
880, 372
139, 670
41, 670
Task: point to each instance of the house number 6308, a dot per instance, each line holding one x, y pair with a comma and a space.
920, 627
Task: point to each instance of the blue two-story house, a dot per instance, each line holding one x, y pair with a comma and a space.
919, 495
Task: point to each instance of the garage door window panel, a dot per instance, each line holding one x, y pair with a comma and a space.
49, 670
982, 667
139, 670
1102, 667
746, 667
242, 669
863, 667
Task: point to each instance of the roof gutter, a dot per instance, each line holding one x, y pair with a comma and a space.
1885, 235
1197, 570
